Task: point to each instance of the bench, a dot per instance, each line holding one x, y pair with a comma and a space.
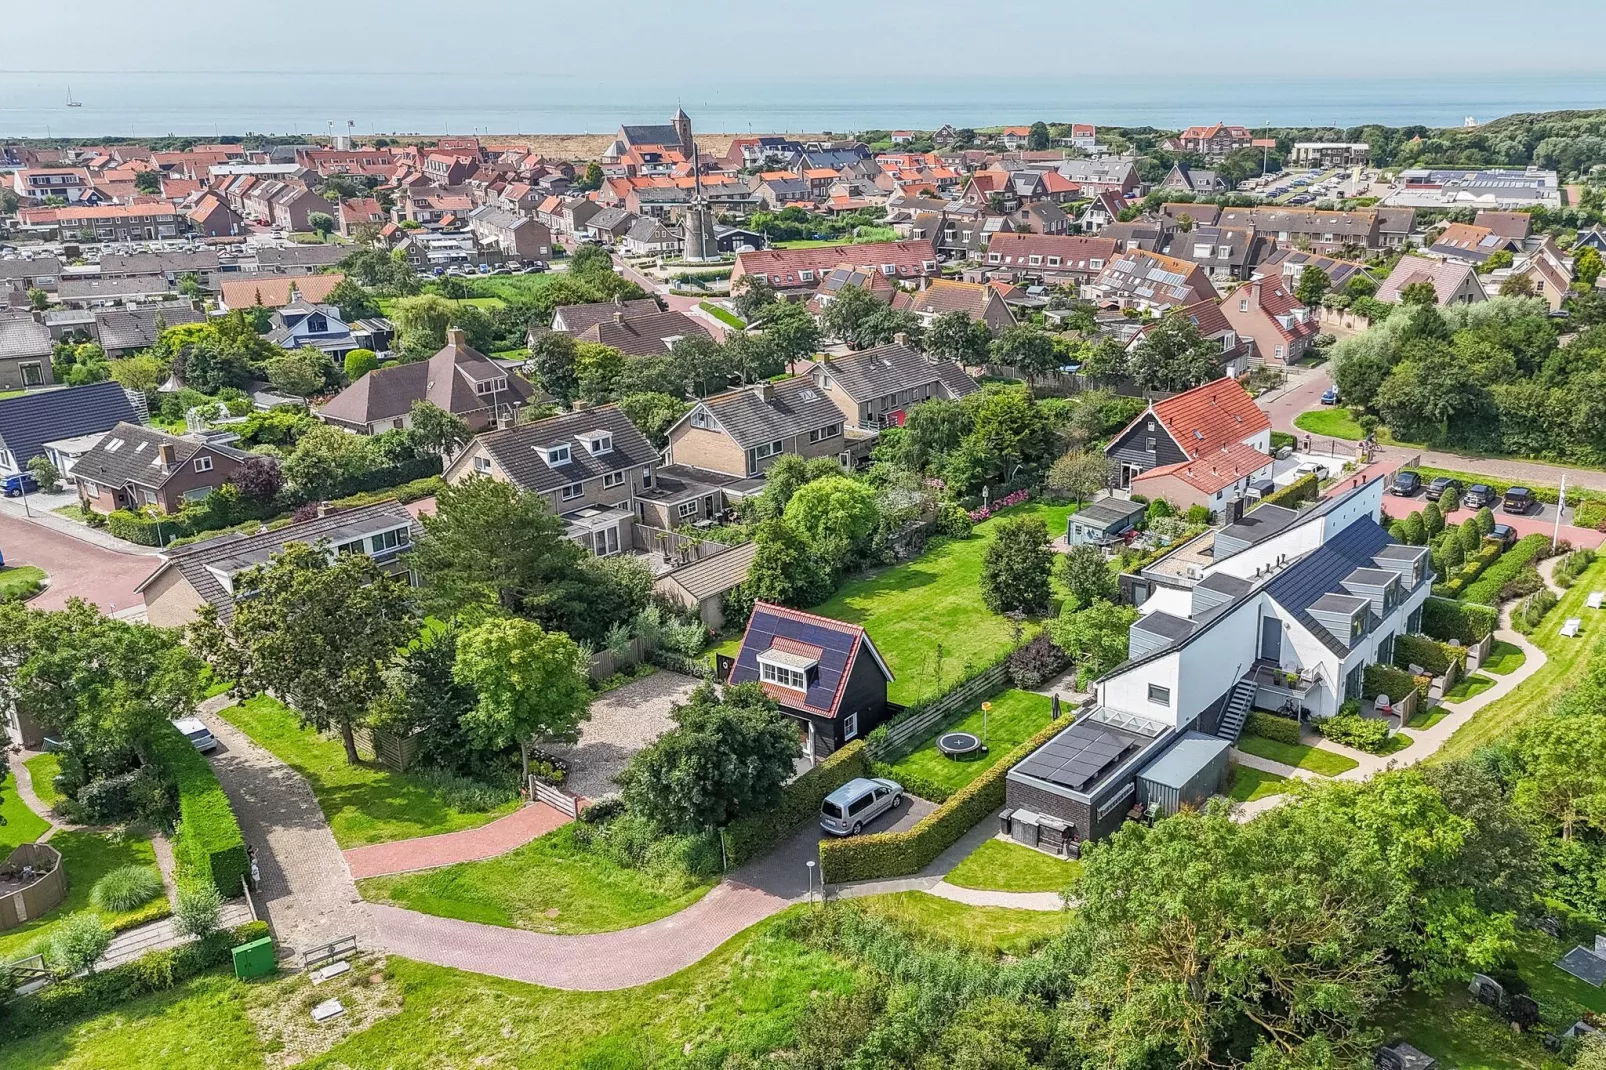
344, 947
1570, 628
1595, 599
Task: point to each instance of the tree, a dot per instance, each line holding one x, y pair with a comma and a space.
302, 372
1470, 536
1415, 529
316, 632
726, 758
753, 297
322, 223
1173, 355
1484, 519
78, 942
1419, 293
422, 321
851, 314
955, 336
200, 909
1037, 137
1432, 520
359, 362
141, 372
45, 473
352, 300
653, 414
435, 430
38, 300
791, 332
531, 686
837, 515
552, 359
597, 367
1087, 575
1027, 349
1015, 567
1521, 285
325, 458
1587, 266
148, 182
1082, 473
590, 179
1313, 284
189, 284
1095, 635
785, 569
258, 478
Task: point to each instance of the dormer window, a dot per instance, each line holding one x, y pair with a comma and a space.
785, 669
699, 418
556, 455
598, 442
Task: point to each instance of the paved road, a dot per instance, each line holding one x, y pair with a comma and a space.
673, 302
784, 871
77, 569
448, 848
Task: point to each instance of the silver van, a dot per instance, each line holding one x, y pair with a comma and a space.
855, 804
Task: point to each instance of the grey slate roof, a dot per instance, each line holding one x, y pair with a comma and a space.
447, 380
89, 288
30, 269
1171, 628
174, 263
796, 406
135, 328
276, 258
839, 646
129, 454
664, 134
21, 337
1107, 511
576, 318
890, 368
714, 575
516, 450
30, 420
643, 336
615, 221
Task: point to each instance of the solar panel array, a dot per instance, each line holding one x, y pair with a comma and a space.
834, 647
1078, 758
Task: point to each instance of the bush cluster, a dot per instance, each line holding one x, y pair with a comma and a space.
1529, 614
1432, 655
750, 837
1461, 577
1037, 661
1387, 680
1271, 726
1303, 489
126, 888
1486, 588
1363, 733
1569, 568
207, 843
1468, 622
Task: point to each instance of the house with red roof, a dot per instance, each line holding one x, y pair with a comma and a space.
792, 271
1205, 446
1270, 320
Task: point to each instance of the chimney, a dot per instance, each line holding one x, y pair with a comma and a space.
619, 300
1254, 293
168, 456
618, 317
1235, 510
39, 315
901, 338
764, 391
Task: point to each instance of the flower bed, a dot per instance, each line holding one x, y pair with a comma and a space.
1486, 588
1013, 498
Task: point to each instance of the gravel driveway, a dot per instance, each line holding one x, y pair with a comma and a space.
623, 721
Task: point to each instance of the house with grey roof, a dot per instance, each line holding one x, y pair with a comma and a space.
574, 319
134, 467
741, 432
30, 422
123, 331
610, 225
875, 388
650, 335
458, 379
648, 236
36, 273
25, 348
205, 573
702, 585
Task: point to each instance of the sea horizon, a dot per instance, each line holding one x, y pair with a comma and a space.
287, 103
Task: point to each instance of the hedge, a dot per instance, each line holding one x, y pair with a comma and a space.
897, 854
1383, 679
1431, 654
81, 997
1486, 589
750, 837
1303, 489
207, 843
1470, 571
1271, 726
1279, 439
1447, 619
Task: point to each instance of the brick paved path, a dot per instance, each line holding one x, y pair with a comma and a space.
307, 894
594, 963
468, 845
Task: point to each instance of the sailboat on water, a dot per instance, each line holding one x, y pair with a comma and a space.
71, 103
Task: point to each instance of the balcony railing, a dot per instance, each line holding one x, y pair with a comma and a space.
1275, 678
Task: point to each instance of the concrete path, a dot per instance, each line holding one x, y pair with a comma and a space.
130, 944
977, 897
22, 781
39, 509
307, 895
468, 845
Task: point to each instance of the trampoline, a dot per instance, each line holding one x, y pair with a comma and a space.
958, 745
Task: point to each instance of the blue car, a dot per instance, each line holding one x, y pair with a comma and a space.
1330, 396
18, 484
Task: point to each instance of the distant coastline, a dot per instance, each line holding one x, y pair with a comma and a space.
34, 105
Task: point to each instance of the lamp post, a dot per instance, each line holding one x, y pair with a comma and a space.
985, 708
810, 864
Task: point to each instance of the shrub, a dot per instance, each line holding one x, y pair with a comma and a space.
1387, 680
1197, 514
1271, 726
207, 844
1526, 582
1362, 733
1569, 568
1431, 654
1468, 622
749, 837
953, 521
1303, 489
200, 908
125, 888
1485, 520
78, 942
1036, 662
895, 854
1486, 588
1528, 614
110, 798
1475, 565
465, 793
1279, 439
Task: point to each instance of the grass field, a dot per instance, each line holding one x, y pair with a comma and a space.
42, 771
1298, 755
1468, 687
22, 825
1251, 784
1428, 718
1000, 929
1503, 658
1015, 717
1567, 661
1334, 422
18, 582
388, 304
512, 287
363, 803
1001, 866
87, 856
549, 885
729, 319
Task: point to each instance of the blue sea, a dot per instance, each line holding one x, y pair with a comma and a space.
151, 104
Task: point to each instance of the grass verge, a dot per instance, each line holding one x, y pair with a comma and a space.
550, 885
22, 825
1330, 423
729, 319
1469, 687
1251, 784
1015, 717
42, 772
363, 803
1297, 755
18, 583
1504, 658
1001, 866
1001, 929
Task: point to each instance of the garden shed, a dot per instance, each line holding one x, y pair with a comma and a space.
1103, 521
1187, 774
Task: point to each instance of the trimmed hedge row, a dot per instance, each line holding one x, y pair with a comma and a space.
207, 843
897, 854
1432, 655
1486, 589
156, 971
1271, 726
1467, 573
750, 837
1469, 622
1304, 489
1383, 679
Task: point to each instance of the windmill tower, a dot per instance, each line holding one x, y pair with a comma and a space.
699, 243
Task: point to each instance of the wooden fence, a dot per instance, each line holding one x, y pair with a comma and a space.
389, 749
604, 663
676, 549
903, 736
557, 798
668, 659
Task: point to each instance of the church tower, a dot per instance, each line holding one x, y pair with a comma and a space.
682, 124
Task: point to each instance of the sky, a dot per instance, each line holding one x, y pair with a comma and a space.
742, 41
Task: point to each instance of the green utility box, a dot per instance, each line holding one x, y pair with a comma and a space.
255, 959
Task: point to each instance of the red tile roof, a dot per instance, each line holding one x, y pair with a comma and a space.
1213, 472
1208, 417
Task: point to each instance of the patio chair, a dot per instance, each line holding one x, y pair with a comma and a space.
1570, 628
1595, 599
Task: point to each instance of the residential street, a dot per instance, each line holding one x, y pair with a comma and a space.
76, 568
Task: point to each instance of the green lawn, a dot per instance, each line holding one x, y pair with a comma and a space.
19, 582
1251, 784
1015, 717
388, 304
549, 885
1001, 866
1000, 929
1468, 687
513, 287
363, 803
1334, 422
42, 771
22, 825
1428, 718
1298, 755
746, 998
914, 609
1503, 658
1568, 658
729, 319
87, 856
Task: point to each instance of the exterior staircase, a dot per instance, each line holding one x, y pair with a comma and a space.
1237, 711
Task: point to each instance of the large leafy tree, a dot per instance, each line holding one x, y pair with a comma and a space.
1095, 636
727, 757
1173, 355
785, 569
1027, 349
1082, 473
553, 361
1087, 575
435, 430
531, 685
1313, 284
955, 336
317, 632
653, 414
791, 332
836, 514
1015, 567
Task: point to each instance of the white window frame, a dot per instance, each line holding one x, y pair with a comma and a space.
688, 509
203, 464
783, 676
569, 492
482, 465
557, 455
613, 479
850, 727
1160, 694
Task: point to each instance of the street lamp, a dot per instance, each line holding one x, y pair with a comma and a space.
810, 864
985, 707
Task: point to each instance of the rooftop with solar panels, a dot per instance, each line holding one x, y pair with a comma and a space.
1093, 749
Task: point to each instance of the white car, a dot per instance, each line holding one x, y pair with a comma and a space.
197, 733
1312, 468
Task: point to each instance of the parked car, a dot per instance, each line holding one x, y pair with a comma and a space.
855, 804
1406, 484
1442, 485
1312, 468
197, 733
1519, 501
1330, 396
18, 484
1477, 496
1504, 534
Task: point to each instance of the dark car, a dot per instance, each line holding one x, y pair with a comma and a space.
1477, 496
1330, 396
1504, 534
1519, 501
1406, 484
1441, 486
